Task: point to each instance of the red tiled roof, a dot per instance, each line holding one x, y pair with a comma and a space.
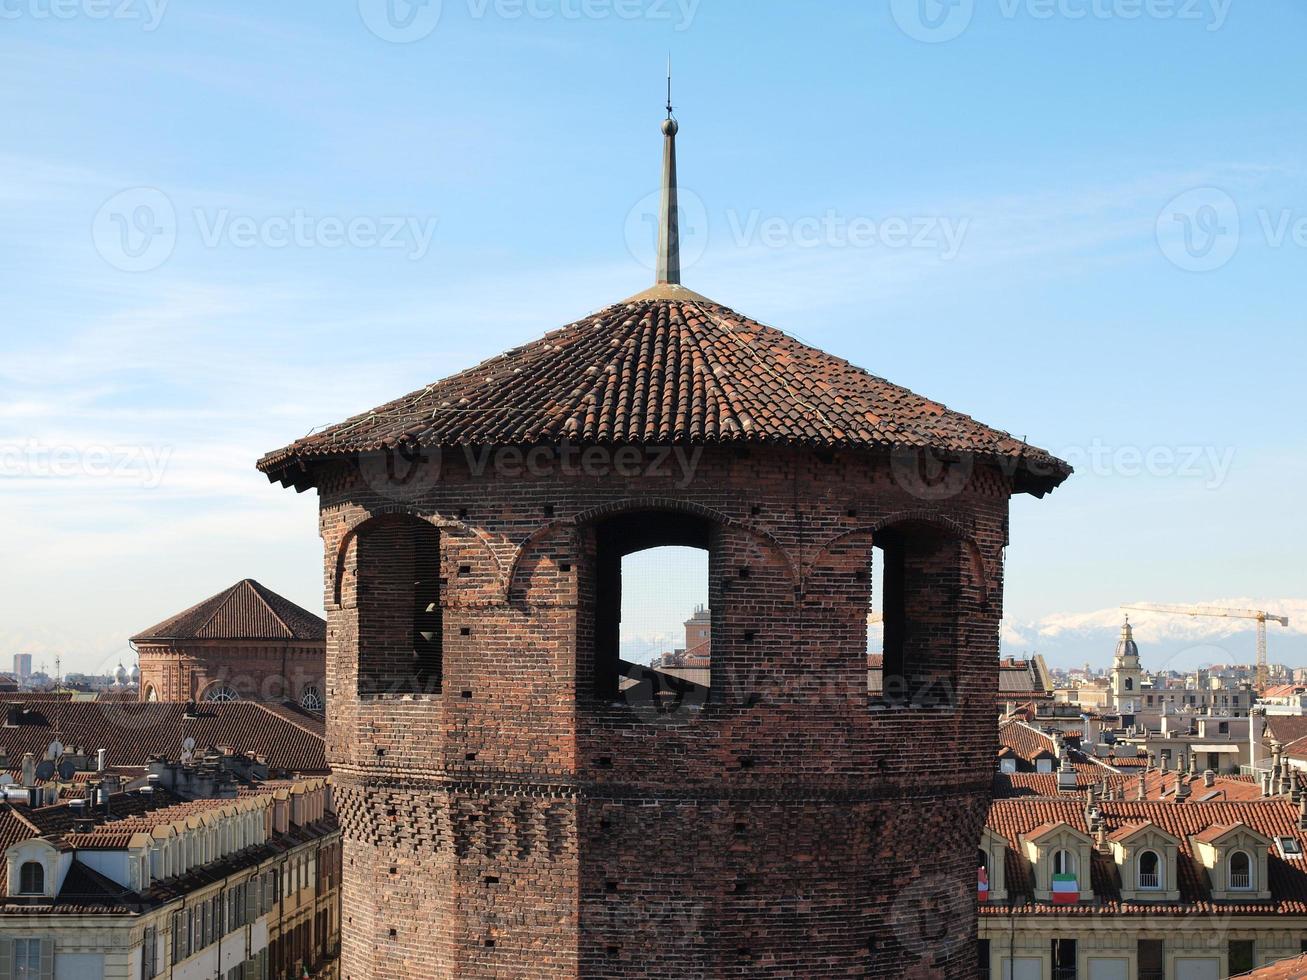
246, 611
132, 732
1291, 969
1013, 818
1286, 728
658, 370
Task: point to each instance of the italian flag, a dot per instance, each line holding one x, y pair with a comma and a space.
1066, 891
982, 886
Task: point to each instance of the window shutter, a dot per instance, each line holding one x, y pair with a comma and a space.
251, 901
6, 959
47, 959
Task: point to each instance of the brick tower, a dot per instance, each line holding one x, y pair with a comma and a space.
518, 800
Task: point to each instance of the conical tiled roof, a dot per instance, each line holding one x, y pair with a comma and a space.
668, 367
246, 611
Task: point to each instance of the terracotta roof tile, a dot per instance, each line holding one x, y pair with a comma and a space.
246, 611
132, 732
655, 370
1013, 818
1291, 969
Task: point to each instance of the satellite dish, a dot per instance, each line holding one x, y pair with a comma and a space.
188, 744
45, 770
67, 770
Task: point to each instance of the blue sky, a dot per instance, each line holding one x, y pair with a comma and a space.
343, 205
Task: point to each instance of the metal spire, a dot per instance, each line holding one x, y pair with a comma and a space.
669, 225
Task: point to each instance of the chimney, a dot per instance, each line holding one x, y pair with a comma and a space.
1209, 778
1302, 814
1266, 782
1163, 766
1066, 775
1142, 792
1181, 789
100, 757
29, 770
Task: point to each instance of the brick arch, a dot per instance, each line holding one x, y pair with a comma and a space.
401, 510
941, 522
628, 504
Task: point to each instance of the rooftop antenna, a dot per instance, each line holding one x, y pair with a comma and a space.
669, 231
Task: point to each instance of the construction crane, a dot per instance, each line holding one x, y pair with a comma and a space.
1259, 615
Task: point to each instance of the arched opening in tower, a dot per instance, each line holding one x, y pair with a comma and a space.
653, 575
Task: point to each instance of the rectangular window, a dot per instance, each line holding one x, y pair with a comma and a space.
150, 953
1152, 962
1064, 959
1243, 957
27, 959
982, 959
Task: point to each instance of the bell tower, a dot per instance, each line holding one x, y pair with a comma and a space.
520, 800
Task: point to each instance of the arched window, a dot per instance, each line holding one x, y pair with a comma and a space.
1129, 683
1241, 871
311, 699
32, 878
400, 626
916, 592
221, 692
1064, 863
1150, 870
650, 595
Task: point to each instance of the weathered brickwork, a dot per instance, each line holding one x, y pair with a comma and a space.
503, 821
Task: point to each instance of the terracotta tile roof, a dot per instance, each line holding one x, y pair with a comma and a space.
667, 369
1012, 818
1286, 728
1291, 969
133, 732
246, 611
1024, 741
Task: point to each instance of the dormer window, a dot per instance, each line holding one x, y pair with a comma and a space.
1150, 871
1241, 871
32, 878
1289, 847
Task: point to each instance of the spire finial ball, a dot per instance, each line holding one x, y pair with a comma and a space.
670, 127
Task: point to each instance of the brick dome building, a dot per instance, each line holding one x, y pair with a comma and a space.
245, 643
518, 800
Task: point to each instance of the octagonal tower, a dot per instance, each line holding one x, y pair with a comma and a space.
520, 801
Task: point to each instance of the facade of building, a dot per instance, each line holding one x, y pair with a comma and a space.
144, 885
510, 807
1138, 698
22, 666
245, 643
1112, 889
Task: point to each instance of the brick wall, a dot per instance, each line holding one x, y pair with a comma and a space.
511, 825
